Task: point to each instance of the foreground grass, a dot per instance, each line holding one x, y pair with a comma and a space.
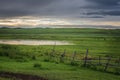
5, 78
54, 71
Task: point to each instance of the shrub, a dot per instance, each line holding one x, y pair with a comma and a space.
74, 64
22, 60
56, 62
117, 71
37, 65
46, 59
33, 57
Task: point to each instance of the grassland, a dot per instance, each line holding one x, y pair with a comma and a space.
99, 41
21, 58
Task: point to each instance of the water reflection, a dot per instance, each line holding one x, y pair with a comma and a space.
34, 42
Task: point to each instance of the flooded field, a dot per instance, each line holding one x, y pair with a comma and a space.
34, 42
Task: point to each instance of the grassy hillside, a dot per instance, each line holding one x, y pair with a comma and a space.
33, 59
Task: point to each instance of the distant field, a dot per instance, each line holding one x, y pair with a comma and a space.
34, 59
100, 41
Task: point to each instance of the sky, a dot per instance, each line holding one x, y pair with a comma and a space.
36, 13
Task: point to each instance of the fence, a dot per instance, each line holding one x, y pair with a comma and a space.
103, 63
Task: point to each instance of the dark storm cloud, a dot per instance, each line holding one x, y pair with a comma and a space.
103, 7
105, 13
105, 2
70, 8
12, 13
26, 2
93, 16
10, 8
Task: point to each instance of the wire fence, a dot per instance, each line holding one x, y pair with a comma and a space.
102, 63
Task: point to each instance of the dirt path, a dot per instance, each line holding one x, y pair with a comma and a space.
19, 76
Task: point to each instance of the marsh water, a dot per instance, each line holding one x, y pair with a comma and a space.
34, 42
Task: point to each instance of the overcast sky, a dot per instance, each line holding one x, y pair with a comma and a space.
59, 12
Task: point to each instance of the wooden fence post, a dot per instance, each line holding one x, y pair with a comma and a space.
107, 64
52, 54
62, 56
99, 60
85, 59
53, 51
73, 57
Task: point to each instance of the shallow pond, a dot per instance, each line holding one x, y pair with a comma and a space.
34, 42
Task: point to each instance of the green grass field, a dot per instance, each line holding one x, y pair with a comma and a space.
99, 41
20, 58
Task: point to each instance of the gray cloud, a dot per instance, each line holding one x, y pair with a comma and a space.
60, 8
11, 8
105, 2
105, 13
13, 13
103, 7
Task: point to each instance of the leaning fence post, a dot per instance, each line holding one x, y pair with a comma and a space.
73, 57
85, 59
62, 56
107, 64
99, 60
53, 51
52, 54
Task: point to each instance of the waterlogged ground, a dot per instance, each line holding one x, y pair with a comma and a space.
34, 42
